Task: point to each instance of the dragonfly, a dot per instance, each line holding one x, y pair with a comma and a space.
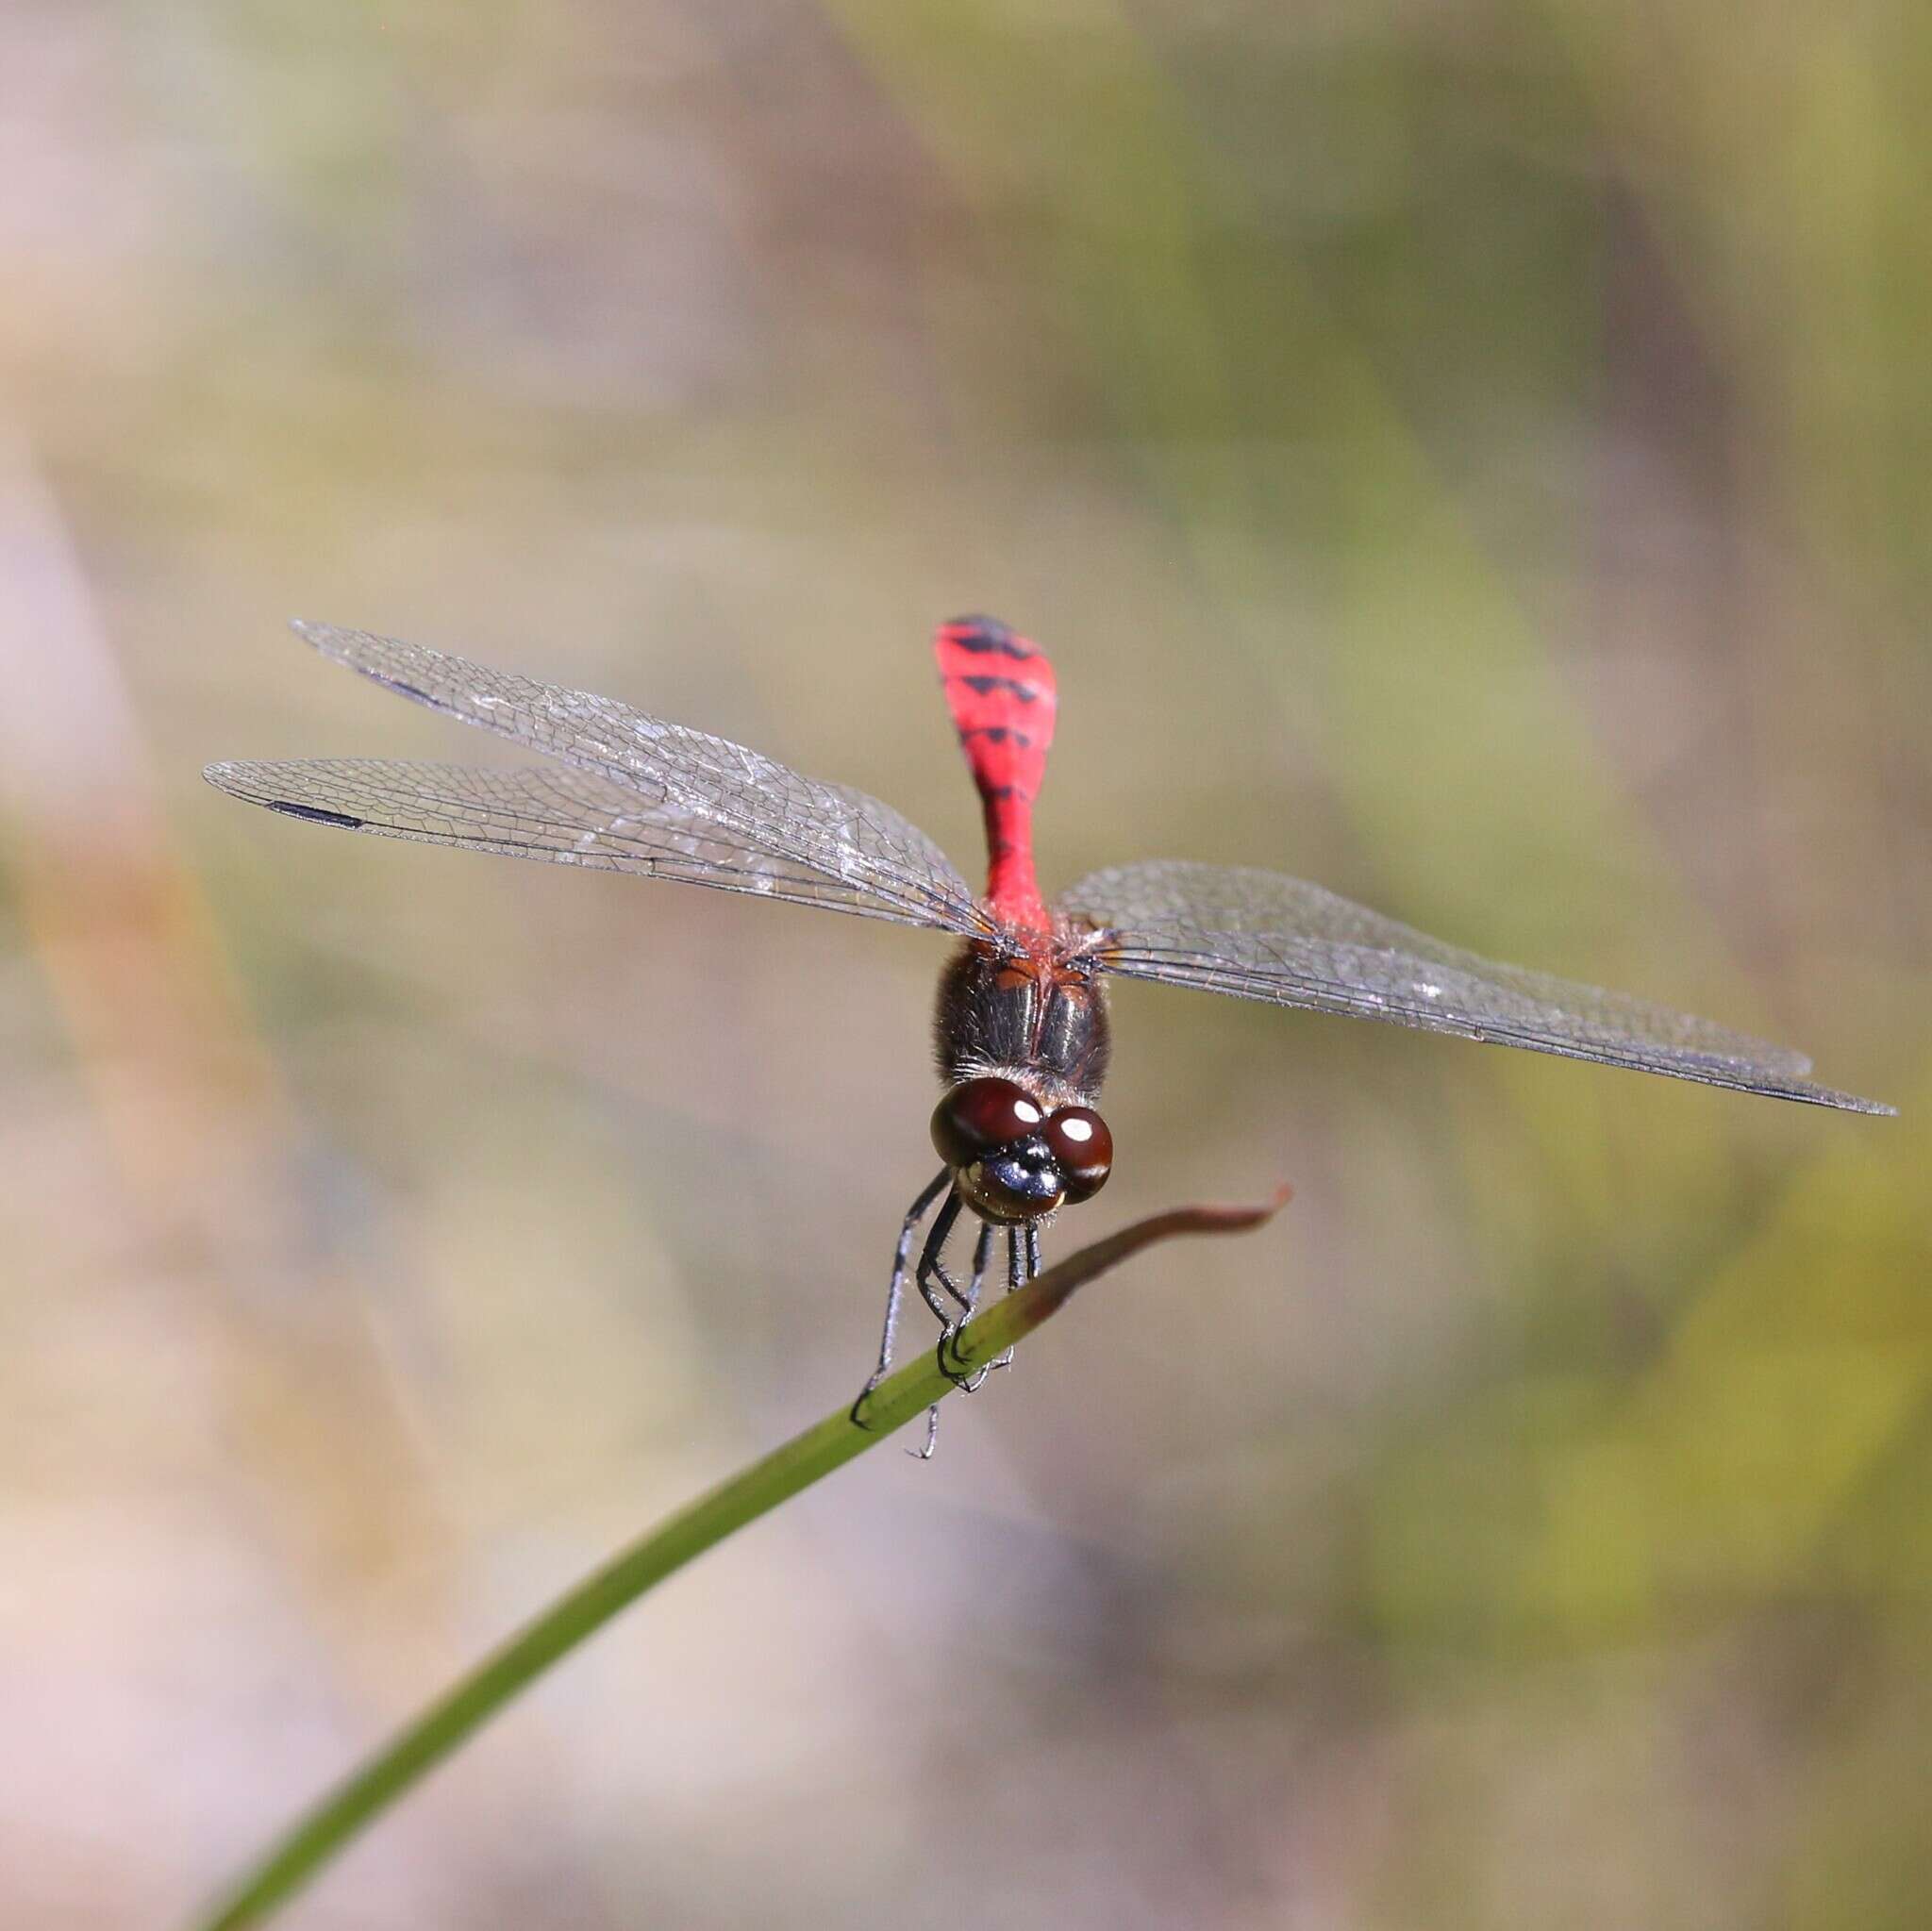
1021, 1028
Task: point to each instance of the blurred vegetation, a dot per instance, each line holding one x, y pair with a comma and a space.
1472, 455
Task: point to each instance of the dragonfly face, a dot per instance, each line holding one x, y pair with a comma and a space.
1011, 1159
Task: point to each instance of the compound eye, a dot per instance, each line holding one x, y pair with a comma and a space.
975, 1118
1083, 1147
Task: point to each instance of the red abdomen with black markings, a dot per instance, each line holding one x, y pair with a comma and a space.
1000, 687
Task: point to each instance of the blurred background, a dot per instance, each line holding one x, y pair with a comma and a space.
1473, 454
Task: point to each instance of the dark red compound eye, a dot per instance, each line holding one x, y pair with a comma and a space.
976, 1119
1084, 1149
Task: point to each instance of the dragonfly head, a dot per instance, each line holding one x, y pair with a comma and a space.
1011, 1158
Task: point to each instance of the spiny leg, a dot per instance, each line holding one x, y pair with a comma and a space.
931, 1267
916, 1213
1023, 1263
982, 1258
930, 1264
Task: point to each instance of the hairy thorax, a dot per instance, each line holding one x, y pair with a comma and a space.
1036, 1018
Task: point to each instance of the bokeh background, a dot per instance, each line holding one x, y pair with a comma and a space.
1475, 454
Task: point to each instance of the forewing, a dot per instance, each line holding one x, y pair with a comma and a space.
553, 812
1258, 935
640, 795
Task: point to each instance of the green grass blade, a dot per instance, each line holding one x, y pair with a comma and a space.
579, 1614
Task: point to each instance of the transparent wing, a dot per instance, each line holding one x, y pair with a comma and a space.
1257, 935
636, 793
569, 817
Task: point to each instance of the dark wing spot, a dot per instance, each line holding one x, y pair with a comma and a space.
314, 813
410, 691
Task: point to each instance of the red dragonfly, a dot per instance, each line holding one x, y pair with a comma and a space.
1020, 1029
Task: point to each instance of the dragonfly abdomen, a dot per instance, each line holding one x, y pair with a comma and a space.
1001, 691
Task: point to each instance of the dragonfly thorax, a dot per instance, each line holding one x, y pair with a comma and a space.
1037, 1019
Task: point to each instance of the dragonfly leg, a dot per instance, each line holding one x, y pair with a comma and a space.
1023, 1263
931, 1266
982, 1258
931, 1270
895, 1291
